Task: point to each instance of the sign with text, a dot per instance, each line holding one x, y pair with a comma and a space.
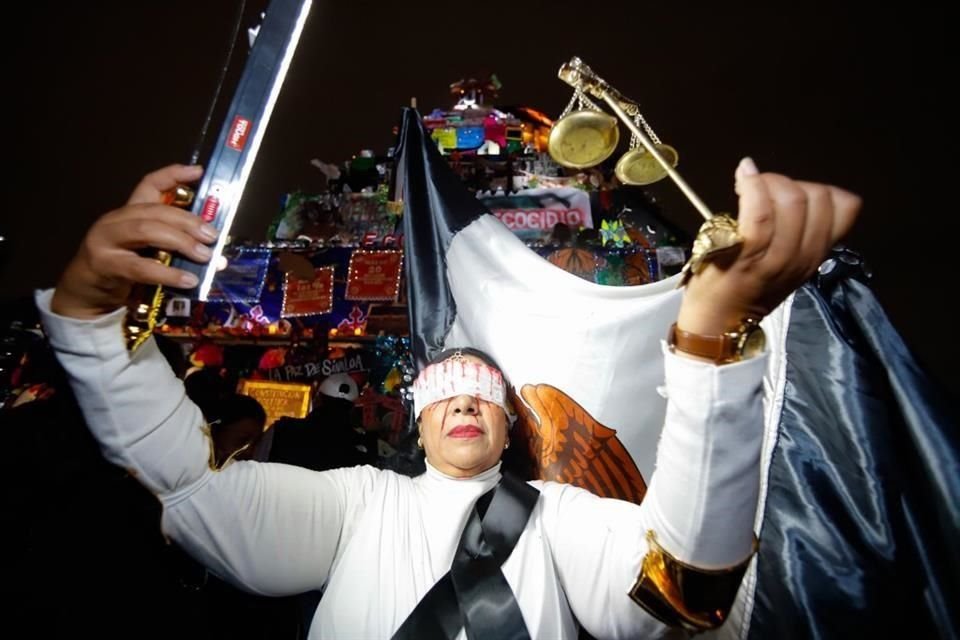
308, 297
352, 362
374, 275
534, 212
279, 399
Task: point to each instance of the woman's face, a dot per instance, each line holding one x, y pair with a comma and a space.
463, 436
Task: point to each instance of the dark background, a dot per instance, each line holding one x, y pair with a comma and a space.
101, 93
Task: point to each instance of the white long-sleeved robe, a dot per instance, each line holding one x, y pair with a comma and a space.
379, 541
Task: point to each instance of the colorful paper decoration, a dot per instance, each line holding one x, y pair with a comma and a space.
446, 138
469, 137
514, 139
613, 232
495, 130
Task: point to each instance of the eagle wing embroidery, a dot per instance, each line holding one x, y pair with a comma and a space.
570, 446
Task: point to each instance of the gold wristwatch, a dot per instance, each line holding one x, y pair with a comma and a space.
746, 341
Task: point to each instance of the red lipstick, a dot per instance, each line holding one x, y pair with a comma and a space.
465, 431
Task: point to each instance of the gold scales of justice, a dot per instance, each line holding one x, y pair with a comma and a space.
586, 136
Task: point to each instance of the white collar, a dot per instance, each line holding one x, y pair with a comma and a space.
486, 478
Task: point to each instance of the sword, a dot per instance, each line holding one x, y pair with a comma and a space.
218, 197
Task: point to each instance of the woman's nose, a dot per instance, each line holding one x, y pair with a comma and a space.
465, 404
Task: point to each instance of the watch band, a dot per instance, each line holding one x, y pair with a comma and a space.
719, 349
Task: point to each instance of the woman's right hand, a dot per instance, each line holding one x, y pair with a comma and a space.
99, 277
788, 228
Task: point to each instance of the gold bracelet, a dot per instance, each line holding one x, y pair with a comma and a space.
681, 595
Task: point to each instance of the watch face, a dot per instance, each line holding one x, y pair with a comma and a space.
753, 343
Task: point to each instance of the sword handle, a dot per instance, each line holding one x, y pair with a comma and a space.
145, 301
180, 196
